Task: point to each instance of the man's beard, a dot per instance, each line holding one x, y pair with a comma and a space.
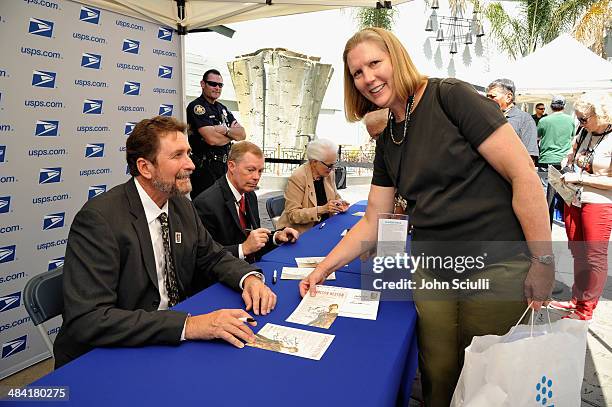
172, 188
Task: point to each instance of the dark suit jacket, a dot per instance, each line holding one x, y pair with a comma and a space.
111, 294
217, 209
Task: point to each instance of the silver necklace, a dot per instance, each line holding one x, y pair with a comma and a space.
406, 121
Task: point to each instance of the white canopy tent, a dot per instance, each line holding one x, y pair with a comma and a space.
210, 15
196, 14
563, 66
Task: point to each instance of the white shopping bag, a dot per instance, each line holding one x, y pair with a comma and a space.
532, 365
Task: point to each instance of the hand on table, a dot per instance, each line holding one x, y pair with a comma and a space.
258, 296
221, 324
286, 235
309, 284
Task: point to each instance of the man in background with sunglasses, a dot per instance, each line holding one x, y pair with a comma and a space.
555, 132
539, 113
212, 128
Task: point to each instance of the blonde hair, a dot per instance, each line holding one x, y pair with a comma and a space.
406, 76
240, 148
600, 103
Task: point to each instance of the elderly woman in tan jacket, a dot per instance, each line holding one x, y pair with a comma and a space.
311, 194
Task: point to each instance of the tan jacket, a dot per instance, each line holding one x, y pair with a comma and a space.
301, 199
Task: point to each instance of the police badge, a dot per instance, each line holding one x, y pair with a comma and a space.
199, 110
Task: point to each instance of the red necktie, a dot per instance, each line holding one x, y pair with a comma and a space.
242, 212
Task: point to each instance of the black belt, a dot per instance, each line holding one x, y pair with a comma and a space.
199, 160
216, 157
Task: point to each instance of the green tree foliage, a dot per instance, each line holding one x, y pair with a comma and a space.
537, 23
375, 17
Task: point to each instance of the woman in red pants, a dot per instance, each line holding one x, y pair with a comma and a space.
588, 220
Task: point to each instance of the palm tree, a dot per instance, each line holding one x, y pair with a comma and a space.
591, 29
375, 17
538, 23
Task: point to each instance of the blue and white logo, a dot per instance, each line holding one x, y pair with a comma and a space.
49, 175
10, 301
15, 346
7, 253
95, 190
92, 106
91, 61
165, 110
89, 15
165, 34
131, 46
131, 88
165, 72
129, 127
43, 79
46, 128
54, 221
5, 204
40, 27
94, 150
2, 153
55, 263
544, 392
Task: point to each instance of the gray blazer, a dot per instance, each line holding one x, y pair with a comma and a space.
111, 292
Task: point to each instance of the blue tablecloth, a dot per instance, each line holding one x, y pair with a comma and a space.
319, 241
369, 363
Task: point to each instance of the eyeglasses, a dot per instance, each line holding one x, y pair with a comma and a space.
329, 166
491, 96
583, 120
213, 84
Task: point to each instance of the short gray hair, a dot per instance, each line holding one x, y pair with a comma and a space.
504, 83
600, 103
319, 148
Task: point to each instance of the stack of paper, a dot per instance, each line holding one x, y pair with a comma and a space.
299, 273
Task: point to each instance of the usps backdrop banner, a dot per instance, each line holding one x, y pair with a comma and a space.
73, 82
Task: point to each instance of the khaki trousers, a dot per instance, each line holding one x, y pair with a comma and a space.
447, 323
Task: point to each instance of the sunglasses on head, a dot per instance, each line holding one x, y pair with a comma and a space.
329, 166
214, 84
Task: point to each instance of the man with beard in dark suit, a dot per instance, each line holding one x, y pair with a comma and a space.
140, 248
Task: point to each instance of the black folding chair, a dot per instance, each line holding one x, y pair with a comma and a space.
43, 298
275, 207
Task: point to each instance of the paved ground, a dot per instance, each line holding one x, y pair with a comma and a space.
597, 383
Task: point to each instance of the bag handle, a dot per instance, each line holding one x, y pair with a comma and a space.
532, 319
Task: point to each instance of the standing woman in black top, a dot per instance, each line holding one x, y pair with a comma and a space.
466, 176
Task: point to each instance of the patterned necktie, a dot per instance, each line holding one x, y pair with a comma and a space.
170, 280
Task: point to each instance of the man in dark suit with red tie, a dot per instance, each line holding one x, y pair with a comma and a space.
229, 209
140, 248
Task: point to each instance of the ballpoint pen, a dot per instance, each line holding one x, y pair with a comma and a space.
274, 277
322, 225
247, 319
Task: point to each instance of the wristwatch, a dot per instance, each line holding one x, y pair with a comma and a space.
546, 259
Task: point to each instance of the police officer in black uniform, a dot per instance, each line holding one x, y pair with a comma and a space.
212, 128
